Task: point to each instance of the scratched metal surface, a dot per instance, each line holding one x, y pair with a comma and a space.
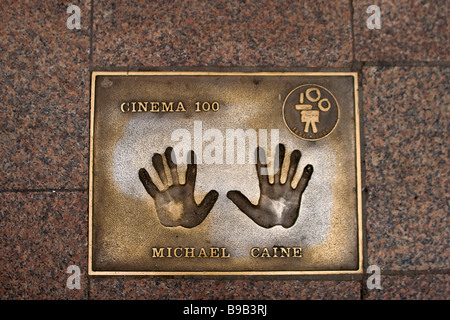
124, 226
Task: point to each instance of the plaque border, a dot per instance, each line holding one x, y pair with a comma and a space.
358, 164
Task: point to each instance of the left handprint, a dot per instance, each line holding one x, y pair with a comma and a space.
175, 204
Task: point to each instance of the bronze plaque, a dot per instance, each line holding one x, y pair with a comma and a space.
224, 173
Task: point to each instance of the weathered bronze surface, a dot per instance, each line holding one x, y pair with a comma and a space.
203, 173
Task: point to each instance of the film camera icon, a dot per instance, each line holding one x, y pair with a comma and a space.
307, 115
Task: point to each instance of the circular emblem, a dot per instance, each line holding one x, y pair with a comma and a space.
311, 112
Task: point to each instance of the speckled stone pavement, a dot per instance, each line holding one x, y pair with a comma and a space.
44, 131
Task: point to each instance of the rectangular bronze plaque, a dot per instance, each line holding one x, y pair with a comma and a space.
214, 173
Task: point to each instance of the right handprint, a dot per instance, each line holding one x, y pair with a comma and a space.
279, 203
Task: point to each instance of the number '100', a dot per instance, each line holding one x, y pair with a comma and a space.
206, 106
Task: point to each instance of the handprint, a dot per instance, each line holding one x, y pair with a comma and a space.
175, 204
279, 204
